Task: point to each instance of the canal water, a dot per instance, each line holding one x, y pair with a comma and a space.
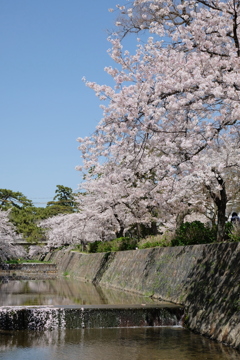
149, 343
64, 292
164, 343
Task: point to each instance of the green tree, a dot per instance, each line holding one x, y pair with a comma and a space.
9, 198
63, 202
23, 215
25, 221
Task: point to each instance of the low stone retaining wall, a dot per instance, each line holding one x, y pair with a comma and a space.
29, 271
204, 278
38, 318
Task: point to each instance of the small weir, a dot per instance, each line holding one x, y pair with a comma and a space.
70, 304
105, 316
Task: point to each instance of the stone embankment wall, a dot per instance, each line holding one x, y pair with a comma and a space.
204, 278
28, 271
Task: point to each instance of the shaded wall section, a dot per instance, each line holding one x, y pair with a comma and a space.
204, 278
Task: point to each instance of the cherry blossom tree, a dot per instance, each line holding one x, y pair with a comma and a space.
7, 237
168, 141
213, 178
118, 201
173, 103
122, 200
75, 229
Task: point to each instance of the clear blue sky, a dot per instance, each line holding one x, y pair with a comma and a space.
46, 47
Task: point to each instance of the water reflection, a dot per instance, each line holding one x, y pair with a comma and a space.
108, 344
63, 292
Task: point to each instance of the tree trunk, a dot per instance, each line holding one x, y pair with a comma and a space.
221, 203
120, 232
180, 218
154, 228
221, 222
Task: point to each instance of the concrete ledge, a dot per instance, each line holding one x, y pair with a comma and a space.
74, 317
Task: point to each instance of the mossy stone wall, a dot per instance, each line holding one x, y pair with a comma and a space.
204, 278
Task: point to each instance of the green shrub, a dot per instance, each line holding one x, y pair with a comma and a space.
104, 246
154, 241
191, 233
149, 244
228, 230
13, 261
234, 233
161, 240
119, 244
123, 243
92, 247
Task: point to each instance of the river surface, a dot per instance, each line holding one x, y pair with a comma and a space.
164, 343
160, 343
64, 292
